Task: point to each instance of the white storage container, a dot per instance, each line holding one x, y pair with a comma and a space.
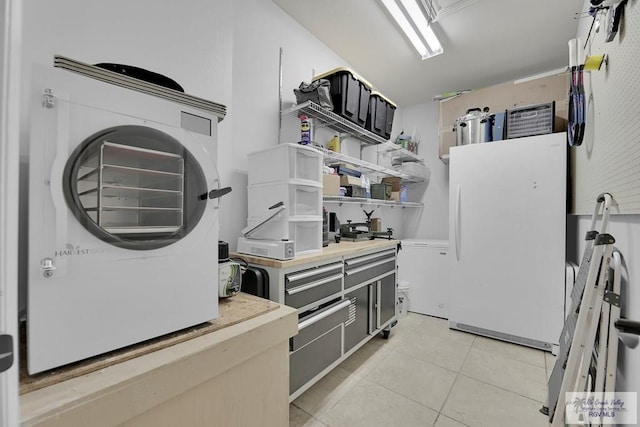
305, 231
284, 162
299, 199
423, 266
415, 169
403, 299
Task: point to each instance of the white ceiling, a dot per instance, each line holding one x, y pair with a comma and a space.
485, 43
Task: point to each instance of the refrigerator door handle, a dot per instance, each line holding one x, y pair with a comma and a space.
456, 227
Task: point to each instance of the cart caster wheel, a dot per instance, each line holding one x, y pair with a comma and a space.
385, 334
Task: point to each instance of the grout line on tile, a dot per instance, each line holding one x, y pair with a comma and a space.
310, 415
501, 388
446, 416
456, 379
517, 359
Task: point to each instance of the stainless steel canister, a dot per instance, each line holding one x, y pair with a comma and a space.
474, 127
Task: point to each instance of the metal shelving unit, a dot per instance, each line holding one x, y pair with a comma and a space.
334, 121
326, 118
330, 119
369, 202
398, 153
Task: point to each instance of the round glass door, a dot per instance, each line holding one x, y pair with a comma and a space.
135, 187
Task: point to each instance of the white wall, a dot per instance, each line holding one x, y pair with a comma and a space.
10, 44
624, 228
260, 30
431, 222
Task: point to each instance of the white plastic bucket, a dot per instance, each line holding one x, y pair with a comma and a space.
403, 299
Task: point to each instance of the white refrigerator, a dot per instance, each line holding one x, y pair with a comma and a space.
507, 209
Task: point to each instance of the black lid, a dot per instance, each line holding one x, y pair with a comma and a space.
223, 251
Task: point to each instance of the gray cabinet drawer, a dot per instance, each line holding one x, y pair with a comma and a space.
313, 324
356, 328
307, 286
387, 299
362, 269
313, 358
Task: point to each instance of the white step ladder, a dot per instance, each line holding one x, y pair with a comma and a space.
579, 335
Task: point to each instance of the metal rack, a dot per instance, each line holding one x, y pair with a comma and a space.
334, 121
127, 189
362, 201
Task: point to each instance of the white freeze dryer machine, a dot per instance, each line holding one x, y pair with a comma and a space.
123, 221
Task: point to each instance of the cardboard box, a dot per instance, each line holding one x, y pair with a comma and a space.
350, 180
376, 224
394, 181
330, 185
395, 195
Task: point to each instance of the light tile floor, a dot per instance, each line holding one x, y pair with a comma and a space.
428, 375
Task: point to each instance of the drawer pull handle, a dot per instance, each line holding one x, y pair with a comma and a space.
368, 266
308, 286
306, 323
305, 274
356, 261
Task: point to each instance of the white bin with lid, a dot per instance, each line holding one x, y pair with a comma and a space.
284, 162
299, 197
403, 298
305, 231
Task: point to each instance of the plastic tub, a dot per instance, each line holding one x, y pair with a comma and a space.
306, 232
380, 115
299, 199
349, 93
403, 299
284, 162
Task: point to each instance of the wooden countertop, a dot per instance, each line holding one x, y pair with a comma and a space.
231, 311
112, 389
334, 250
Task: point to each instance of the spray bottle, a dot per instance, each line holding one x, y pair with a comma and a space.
305, 130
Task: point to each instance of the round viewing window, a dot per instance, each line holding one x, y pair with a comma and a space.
135, 187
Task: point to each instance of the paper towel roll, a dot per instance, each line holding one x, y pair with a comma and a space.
576, 52
573, 51
580, 51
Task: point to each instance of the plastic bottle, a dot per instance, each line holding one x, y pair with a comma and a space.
305, 130
334, 144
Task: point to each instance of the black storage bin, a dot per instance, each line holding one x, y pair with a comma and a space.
349, 93
380, 115
391, 109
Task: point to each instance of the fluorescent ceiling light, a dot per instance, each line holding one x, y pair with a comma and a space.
428, 45
404, 24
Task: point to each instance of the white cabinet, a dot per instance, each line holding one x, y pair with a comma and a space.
291, 174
